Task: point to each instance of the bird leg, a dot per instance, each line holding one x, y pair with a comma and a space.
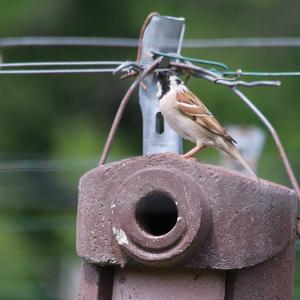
198, 148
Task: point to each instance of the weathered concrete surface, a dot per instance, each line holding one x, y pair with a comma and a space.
153, 284
272, 279
246, 221
96, 282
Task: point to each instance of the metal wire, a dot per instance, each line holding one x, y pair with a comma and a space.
237, 73
141, 36
122, 107
60, 63
276, 138
68, 41
199, 61
262, 74
133, 43
243, 42
113, 70
56, 71
217, 78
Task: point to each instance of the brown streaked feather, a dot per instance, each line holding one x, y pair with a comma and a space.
192, 107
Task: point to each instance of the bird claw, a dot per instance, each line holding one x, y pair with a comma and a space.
188, 157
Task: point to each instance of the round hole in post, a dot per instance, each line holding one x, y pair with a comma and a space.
154, 219
156, 213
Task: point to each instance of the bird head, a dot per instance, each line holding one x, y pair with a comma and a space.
166, 80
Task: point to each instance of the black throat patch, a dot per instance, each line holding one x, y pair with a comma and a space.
164, 80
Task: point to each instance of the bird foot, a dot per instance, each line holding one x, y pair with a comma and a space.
188, 157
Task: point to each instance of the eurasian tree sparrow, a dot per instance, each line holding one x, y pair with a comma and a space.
189, 117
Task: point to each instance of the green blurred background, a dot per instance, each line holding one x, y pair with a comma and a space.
52, 127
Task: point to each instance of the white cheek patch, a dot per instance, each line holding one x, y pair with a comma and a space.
159, 91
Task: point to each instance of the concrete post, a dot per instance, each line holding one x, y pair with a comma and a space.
159, 226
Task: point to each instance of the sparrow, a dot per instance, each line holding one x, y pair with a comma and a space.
190, 118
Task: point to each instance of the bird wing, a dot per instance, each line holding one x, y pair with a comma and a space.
192, 107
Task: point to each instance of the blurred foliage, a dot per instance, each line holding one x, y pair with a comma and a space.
67, 117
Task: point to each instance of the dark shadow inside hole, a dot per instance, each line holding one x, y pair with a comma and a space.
156, 213
159, 123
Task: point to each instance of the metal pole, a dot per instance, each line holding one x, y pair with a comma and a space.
158, 137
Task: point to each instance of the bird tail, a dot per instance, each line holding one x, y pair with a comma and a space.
237, 155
